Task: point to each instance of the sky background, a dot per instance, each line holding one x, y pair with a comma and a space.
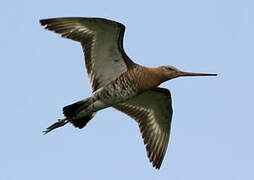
40, 72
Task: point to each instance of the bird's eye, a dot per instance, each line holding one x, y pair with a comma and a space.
169, 68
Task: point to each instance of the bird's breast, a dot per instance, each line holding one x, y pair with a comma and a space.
147, 78
128, 85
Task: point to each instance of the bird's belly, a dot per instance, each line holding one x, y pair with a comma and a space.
119, 90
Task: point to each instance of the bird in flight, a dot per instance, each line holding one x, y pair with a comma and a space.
118, 82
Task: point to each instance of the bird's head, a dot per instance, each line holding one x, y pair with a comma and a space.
171, 72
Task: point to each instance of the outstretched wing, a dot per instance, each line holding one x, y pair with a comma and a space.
153, 112
102, 42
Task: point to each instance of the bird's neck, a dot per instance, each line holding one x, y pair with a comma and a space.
148, 78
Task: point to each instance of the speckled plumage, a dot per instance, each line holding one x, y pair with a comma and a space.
122, 88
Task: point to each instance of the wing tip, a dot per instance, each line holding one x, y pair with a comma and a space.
156, 151
44, 22
48, 21
156, 163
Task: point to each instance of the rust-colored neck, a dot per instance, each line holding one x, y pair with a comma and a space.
149, 77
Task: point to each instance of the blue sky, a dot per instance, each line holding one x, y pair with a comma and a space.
212, 127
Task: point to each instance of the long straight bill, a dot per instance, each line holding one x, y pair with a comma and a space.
195, 74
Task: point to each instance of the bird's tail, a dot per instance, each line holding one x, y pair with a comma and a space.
71, 115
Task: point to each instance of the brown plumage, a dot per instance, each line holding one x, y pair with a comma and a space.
118, 82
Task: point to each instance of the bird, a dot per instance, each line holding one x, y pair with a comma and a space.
119, 82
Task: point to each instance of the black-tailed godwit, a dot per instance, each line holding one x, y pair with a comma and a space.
118, 82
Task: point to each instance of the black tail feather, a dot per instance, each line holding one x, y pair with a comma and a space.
80, 123
71, 115
72, 110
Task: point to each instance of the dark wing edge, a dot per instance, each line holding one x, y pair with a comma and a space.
154, 126
73, 27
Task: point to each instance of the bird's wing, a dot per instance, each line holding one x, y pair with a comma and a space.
153, 112
102, 42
